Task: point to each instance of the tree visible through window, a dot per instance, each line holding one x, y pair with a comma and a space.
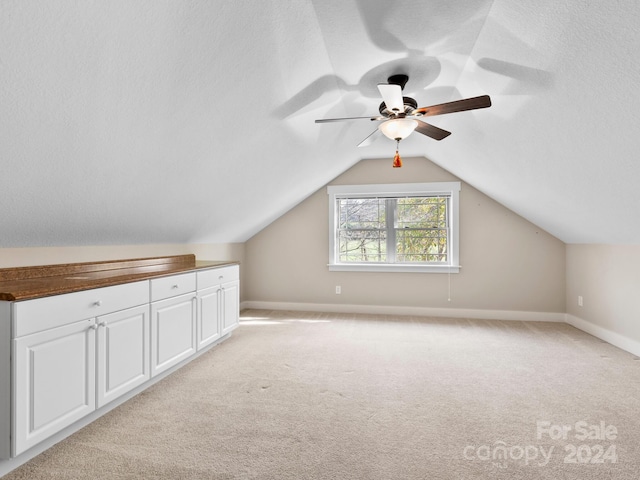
383, 229
422, 228
411, 229
362, 233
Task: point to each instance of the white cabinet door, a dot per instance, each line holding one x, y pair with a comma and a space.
230, 306
123, 352
54, 375
173, 331
209, 307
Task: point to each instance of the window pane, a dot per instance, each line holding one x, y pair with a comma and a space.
418, 230
421, 230
422, 212
362, 230
361, 213
362, 245
420, 245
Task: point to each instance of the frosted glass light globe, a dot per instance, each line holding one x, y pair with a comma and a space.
398, 128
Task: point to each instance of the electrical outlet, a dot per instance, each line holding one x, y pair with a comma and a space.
338, 289
579, 300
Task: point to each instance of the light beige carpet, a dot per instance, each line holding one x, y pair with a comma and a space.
327, 396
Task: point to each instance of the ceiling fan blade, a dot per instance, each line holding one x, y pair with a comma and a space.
474, 103
431, 131
373, 136
327, 120
392, 96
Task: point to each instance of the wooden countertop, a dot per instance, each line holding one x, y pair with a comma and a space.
23, 283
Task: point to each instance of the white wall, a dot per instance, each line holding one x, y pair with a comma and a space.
508, 264
525, 271
607, 277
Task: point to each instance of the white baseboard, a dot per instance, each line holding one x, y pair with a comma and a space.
620, 341
616, 339
417, 311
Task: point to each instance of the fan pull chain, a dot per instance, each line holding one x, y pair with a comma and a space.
397, 161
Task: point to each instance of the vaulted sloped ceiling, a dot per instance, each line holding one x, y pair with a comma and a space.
185, 121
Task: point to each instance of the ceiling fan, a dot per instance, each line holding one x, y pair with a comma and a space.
401, 114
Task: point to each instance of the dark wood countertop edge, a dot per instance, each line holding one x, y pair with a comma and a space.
60, 269
11, 290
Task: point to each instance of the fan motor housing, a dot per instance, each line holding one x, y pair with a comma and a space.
409, 106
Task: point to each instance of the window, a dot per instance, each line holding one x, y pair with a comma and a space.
407, 227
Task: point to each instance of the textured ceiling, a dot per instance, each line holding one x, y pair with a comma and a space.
182, 121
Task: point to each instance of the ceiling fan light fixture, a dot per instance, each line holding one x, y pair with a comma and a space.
398, 128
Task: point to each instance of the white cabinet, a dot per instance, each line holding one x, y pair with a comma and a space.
209, 326
65, 366
123, 341
173, 321
65, 357
230, 306
218, 303
54, 372
173, 332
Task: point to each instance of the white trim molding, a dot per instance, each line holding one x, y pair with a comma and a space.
616, 339
450, 190
415, 311
396, 267
625, 343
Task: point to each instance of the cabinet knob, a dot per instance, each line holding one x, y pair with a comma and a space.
174, 286
97, 303
94, 327
220, 277
102, 324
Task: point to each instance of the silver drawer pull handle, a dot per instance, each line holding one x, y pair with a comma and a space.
94, 327
102, 324
97, 303
174, 286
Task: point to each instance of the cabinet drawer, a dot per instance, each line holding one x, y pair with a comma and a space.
31, 316
172, 286
216, 276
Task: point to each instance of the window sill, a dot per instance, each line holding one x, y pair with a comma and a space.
358, 267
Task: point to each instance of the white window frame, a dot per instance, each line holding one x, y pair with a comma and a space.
450, 189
